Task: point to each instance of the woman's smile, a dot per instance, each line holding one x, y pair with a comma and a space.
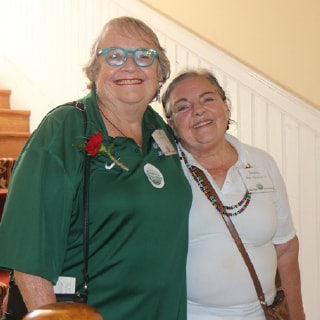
125, 82
202, 124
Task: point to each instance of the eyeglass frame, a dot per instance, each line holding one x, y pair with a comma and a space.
104, 52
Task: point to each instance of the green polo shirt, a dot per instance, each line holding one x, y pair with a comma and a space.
138, 230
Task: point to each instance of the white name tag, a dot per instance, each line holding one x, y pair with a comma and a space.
256, 180
65, 285
163, 142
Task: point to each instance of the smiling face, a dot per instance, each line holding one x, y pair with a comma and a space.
199, 114
126, 84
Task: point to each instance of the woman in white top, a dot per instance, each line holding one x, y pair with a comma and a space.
219, 283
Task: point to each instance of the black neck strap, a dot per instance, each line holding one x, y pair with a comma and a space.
80, 106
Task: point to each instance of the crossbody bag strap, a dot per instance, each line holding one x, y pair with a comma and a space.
237, 240
80, 106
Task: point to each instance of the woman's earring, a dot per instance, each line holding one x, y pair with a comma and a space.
158, 92
158, 95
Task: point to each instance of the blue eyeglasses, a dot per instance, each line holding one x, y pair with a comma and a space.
142, 57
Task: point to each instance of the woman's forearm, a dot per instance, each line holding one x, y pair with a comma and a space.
36, 291
290, 277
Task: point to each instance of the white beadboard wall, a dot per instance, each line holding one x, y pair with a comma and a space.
44, 45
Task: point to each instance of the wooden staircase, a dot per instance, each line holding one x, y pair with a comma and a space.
14, 127
14, 132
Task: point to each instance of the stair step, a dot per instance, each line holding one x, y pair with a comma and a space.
14, 120
12, 143
5, 98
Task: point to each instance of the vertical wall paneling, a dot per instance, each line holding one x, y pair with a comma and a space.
309, 216
45, 44
260, 122
245, 114
292, 162
274, 134
204, 64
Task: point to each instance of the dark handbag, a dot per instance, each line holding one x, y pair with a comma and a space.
278, 310
16, 308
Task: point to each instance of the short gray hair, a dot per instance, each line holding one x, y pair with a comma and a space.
128, 25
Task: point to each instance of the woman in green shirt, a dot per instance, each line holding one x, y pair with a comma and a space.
139, 198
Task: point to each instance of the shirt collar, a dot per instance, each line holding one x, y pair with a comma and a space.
244, 158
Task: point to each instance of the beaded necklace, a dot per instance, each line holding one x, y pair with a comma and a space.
233, 210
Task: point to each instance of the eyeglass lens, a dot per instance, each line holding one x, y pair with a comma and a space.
118, 56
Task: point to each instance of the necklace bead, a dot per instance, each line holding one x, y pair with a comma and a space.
232, 210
